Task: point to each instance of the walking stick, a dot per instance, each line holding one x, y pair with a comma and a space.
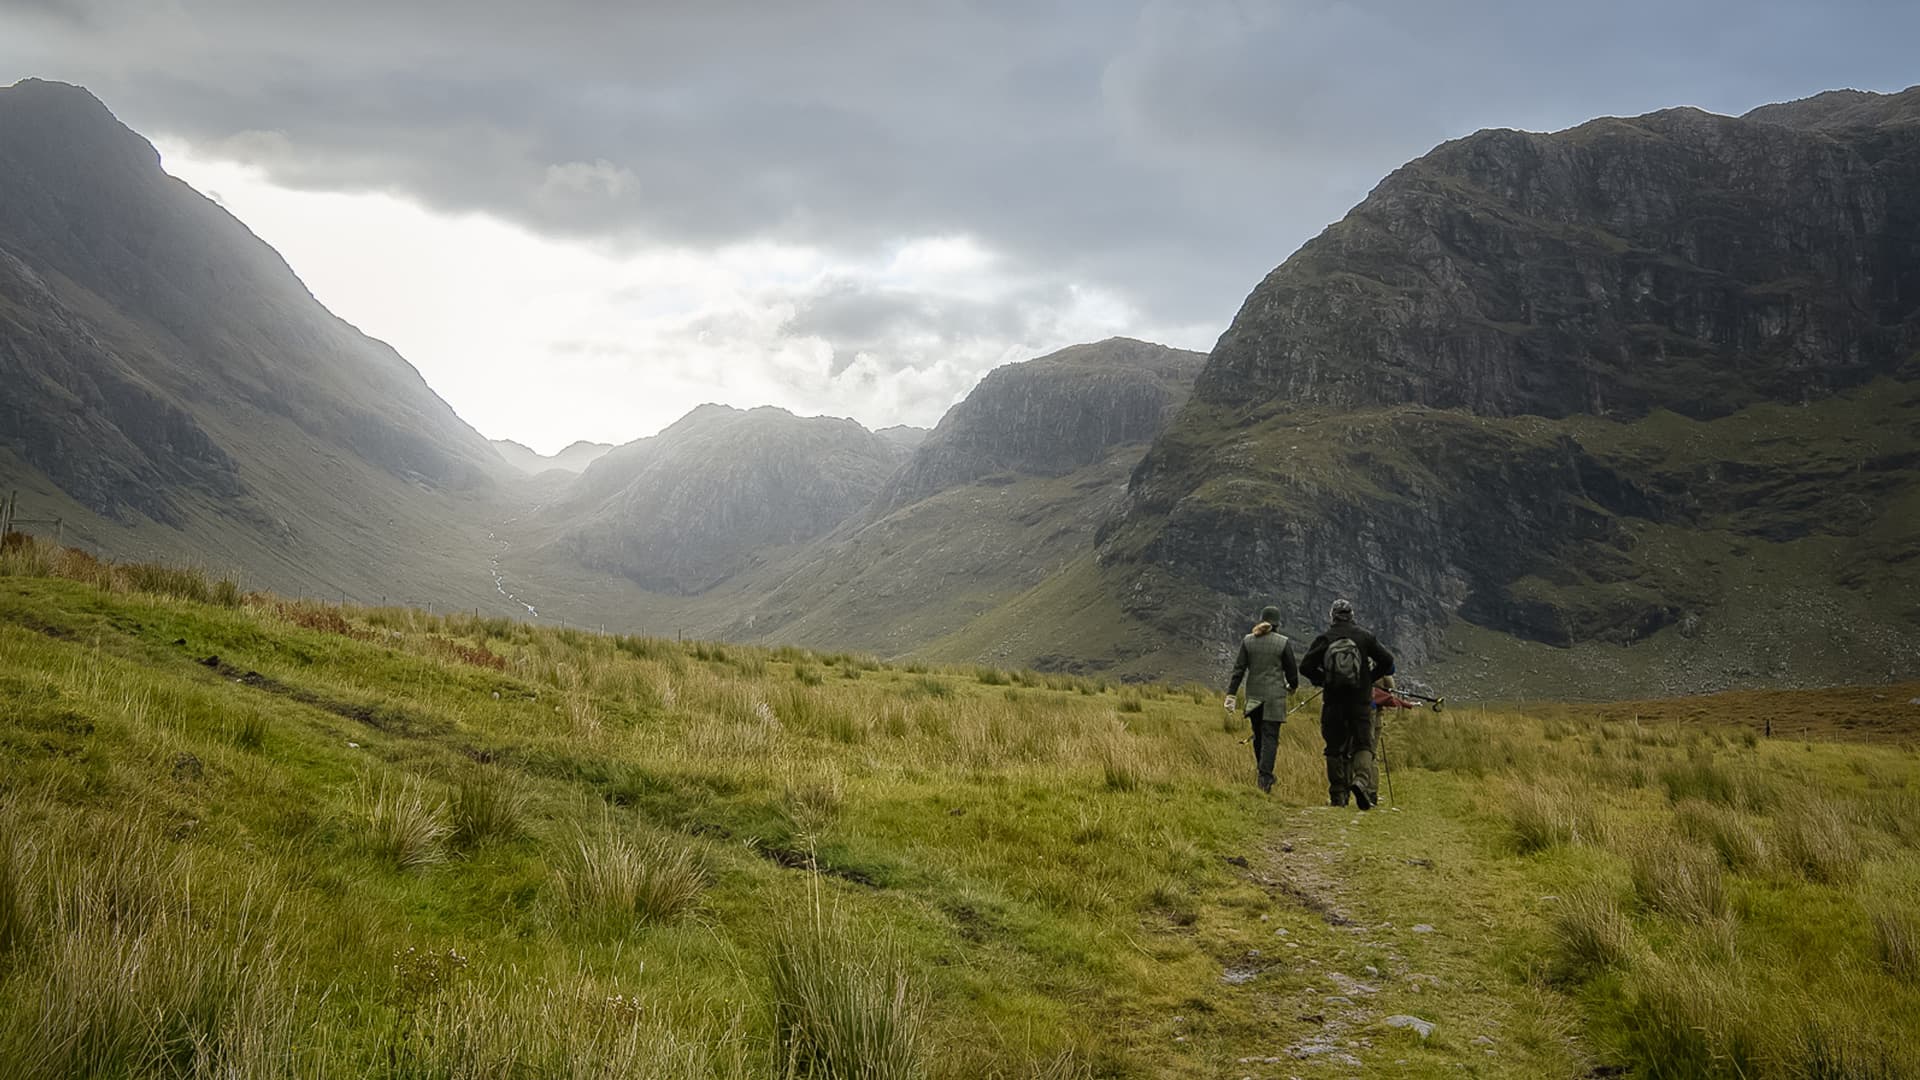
1302, 705
1385, 772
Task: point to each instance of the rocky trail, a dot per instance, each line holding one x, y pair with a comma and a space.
1368, 959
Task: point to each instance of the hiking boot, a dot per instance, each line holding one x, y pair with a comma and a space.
1361, 799
1337, 800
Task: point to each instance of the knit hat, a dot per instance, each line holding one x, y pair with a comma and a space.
1342, 609
1270, 615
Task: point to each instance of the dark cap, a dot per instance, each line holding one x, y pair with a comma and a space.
1342, 609
1270, 615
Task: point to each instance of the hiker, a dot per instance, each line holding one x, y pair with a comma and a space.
1344, 662
1266, 663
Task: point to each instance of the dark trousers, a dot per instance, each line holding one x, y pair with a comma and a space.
1349, 734
1266, 741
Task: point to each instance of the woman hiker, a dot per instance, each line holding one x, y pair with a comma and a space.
1266, 663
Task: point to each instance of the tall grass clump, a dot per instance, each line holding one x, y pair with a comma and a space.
406, 825
1731, 833
1123, 765
614, 884
1590, 934
1678, 877
1817, 841
488, 805
1896, 939
844, 1004
1685, 1021
1546, 814
506, 1024
137, 962
1705, 777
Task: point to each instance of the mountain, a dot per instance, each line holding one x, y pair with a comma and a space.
1050, 416
171, 387
720, 490
1007, 492
1632, 401
904, 436
574, 458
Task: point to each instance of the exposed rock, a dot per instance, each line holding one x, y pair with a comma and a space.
1420, 1027
1441, 407
1050, 416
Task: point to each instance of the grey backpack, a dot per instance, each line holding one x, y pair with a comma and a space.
1346, 668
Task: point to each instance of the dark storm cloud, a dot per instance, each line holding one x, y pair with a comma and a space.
1169, 151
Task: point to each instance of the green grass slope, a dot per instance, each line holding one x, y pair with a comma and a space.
246, 837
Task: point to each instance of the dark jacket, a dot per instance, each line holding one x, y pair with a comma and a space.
1352, 705
1266, 662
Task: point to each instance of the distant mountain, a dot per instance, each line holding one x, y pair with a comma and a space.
1645, 380
1050, 416
1005, 493
171, 386
903, 436
574, 458
720, 490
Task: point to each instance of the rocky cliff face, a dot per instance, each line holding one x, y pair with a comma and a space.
721, 489
1050, 416
1515, 385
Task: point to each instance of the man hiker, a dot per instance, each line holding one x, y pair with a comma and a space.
1344, 662
1266, 663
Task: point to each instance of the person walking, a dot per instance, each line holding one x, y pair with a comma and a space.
1267, 665
1343, 663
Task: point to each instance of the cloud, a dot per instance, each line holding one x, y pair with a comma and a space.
1139, 161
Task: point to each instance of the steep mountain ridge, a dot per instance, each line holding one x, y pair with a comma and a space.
172, 389
1007, 491
1050, 416
573, 458
1449, 406
719, 490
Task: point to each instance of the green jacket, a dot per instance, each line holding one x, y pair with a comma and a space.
1266, 663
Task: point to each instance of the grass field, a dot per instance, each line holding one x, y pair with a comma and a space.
241, 837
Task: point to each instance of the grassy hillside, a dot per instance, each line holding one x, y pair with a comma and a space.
246, 837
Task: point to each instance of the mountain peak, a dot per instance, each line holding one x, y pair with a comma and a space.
1839, 109
1051, 415
58, 115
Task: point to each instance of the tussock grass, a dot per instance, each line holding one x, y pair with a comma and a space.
1123, 766
1547, 813
614, 884
1818, 842
1590, 934
1733, 834
1679, 878
505, 1024
407, 826
1706, 777
1896, 938
488, 805
1683, 1020
844, 1003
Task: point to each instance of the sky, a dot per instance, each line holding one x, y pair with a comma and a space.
582, 218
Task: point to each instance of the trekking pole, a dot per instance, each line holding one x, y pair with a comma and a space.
1385, 772
1302, 705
